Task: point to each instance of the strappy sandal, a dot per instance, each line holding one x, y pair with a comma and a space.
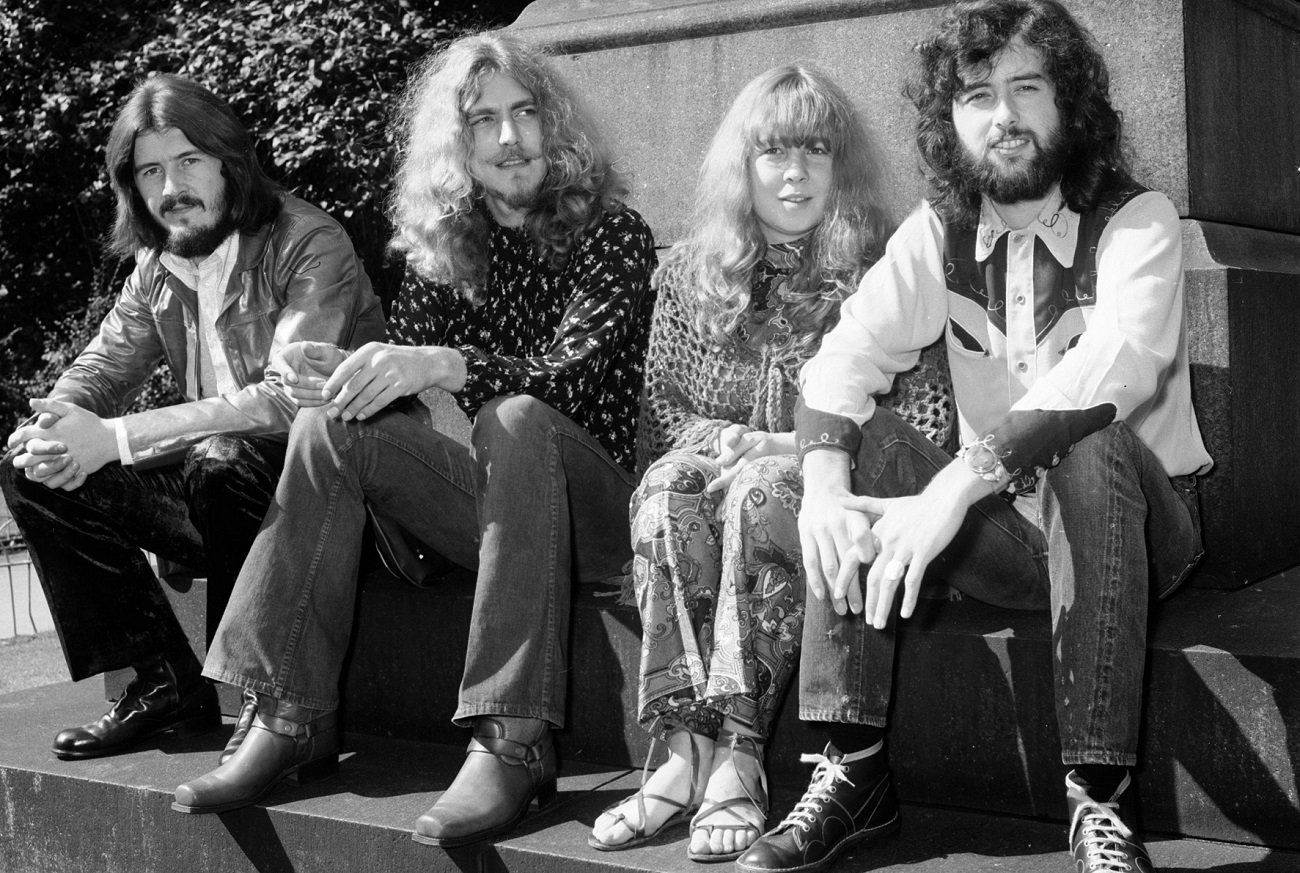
749, 812
639, 834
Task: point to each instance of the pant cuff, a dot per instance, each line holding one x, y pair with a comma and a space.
844, 716
467, 712
261, 686
1110, 759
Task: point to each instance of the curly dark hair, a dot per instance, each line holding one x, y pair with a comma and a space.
971, 35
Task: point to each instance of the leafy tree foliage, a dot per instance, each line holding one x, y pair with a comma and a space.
314, 81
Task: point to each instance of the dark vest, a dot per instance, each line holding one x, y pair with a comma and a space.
1056, 288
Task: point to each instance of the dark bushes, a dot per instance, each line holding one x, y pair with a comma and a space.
313, 80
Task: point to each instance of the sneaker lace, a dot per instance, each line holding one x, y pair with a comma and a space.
1103, 838
824, 777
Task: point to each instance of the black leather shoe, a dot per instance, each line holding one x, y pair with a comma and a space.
845, 805
242, 724
285, 741
491, 793
167, 694
1101, 833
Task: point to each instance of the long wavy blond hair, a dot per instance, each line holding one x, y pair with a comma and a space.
438, 222
790, 105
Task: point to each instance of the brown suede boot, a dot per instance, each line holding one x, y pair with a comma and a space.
284, 741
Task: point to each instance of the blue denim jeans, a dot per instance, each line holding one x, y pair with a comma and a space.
1105, 533
107, 605
536, 503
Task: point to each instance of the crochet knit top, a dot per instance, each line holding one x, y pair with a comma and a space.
694, 387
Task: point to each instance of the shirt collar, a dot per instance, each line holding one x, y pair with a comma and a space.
1057, 226
186, 267
786, 257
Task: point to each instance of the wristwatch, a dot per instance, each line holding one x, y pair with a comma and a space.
983, 462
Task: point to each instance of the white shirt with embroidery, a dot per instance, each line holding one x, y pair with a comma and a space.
1127, 348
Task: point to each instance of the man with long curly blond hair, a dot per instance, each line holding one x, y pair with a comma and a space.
527, 298
1056, 282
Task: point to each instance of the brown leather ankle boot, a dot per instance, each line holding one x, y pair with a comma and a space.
284, 741
491, 793
247, 710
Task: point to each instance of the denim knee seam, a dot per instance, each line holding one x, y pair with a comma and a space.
280, 689
552, 560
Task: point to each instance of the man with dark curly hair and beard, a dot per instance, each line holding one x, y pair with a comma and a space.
527, 297
1056, 283
229, 270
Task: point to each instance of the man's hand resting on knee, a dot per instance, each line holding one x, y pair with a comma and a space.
378, 373
63, 444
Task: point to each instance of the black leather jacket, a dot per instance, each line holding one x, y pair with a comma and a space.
297, 278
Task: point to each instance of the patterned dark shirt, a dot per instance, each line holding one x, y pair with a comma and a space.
573, 337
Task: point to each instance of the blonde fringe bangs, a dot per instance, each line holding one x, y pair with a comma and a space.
789, 105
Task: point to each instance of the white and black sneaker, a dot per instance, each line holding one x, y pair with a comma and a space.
1100, 839
849, 802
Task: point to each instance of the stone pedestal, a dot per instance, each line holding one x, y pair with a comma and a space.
1243, 315
1207, 89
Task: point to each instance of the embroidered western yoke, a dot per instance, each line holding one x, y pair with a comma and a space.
1052, 332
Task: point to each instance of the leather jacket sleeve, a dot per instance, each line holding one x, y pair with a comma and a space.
302, 281
108, 374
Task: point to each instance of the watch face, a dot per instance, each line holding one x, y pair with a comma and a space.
981, 458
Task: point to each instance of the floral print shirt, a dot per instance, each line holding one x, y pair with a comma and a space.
572, 336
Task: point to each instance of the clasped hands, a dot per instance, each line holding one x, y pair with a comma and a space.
360, 384
739, 444
62, 444
895, 537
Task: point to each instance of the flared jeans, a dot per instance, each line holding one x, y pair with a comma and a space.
535, 504
1106, 533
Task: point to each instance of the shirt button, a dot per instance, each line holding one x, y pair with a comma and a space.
1017, 237
1020, 298
1022, 366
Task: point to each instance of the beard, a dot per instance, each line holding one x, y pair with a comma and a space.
519, 197
1027, 179
198, 242
520, 193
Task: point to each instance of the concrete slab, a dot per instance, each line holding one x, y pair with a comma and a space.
113, 814
1221, 748
58, 814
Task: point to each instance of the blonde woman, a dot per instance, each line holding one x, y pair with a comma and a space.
785, 224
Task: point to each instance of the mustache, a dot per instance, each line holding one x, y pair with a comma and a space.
1014, 133
513, 153
172, 201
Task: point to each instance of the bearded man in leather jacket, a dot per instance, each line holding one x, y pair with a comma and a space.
228, 270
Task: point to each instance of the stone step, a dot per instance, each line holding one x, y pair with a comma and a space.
114, 814
973, 724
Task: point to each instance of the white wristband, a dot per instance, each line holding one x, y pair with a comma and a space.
123, 445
